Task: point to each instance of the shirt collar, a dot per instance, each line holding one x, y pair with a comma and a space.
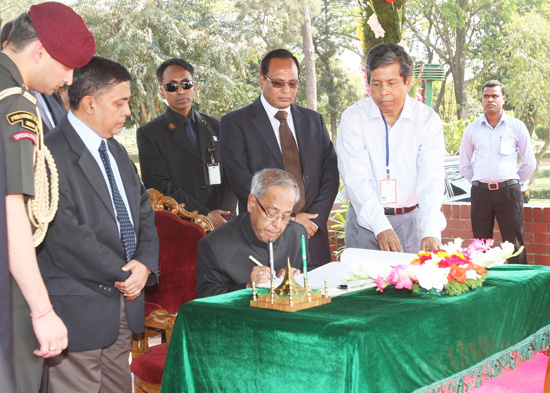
505, 117
406, 113
90, 138
271, 110
182, 118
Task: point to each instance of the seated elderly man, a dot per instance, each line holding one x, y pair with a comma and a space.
223, 263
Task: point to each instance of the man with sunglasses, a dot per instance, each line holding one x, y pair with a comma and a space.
273, 132
178, 151
224, 257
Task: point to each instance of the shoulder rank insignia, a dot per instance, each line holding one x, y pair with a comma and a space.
28, 120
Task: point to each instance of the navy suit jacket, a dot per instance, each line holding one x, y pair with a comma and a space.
82, 255
248, 144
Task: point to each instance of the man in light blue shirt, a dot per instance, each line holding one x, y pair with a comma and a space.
496, 138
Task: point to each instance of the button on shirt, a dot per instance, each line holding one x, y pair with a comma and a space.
491, 166
92, 141
271, 111
416, 157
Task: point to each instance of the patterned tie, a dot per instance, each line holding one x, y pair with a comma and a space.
127, 232
291, 158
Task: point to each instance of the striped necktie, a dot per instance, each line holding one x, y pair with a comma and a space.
127, 232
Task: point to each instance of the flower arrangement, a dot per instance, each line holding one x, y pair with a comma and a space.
452, 270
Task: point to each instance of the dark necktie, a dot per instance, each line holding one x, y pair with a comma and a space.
127, 232
190, 132
291, 158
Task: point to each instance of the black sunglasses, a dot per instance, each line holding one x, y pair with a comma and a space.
281, 84
171, 87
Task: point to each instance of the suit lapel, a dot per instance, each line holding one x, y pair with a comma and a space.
88, 165
205, 134
263, 126
179, 135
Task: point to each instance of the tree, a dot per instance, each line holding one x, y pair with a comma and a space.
141, 35
335, 26
463, 34
525, 69
389, 14
277, 24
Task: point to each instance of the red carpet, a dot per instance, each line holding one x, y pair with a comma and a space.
527, 378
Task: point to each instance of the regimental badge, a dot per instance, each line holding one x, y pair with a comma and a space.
28, 120
171, 126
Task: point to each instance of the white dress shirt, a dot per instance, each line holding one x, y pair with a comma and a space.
417, 150
271, 112
92, 141
496, 151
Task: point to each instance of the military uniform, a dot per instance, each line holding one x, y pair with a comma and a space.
19, 132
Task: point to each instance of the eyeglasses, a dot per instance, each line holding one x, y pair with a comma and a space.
281, 84
171, 87
273, 216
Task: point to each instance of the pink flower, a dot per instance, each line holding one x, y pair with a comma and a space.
380, 283
399, 277
478, 245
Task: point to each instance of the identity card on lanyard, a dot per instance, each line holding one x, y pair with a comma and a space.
214, 174
388, 187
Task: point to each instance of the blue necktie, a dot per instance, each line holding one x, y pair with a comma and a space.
127, 232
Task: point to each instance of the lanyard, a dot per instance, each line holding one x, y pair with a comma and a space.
387, 149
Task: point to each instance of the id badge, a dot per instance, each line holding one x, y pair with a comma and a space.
214, 174
506, 147
388, 191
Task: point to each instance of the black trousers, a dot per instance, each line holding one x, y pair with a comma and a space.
504, 204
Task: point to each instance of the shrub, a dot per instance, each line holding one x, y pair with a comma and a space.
540, 194
452, 132
542, 131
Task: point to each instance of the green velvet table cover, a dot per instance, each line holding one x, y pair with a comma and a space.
364, 341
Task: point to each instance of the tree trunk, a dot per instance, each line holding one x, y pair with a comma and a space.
311, 78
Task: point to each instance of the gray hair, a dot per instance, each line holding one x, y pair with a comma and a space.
383, 55
493, 83
269, 177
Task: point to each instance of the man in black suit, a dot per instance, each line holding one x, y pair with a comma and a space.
102, 246
251, 140
178, 151
223, 256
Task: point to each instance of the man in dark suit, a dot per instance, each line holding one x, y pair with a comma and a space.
102, 246
253, 138
178, 151
223, 256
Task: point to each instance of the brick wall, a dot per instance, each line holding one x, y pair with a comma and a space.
536, 236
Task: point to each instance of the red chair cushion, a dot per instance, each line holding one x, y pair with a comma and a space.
150, 365
178, 241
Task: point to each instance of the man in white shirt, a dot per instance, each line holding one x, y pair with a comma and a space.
390, 156
497, 138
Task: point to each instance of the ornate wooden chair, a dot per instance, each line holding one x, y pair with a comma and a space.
179, 233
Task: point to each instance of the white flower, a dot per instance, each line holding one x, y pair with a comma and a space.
472, 275
376, 27
494, 256
453, 247
429, 275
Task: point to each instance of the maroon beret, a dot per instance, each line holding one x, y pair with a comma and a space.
63, 33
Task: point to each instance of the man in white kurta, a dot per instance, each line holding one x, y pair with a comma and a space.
390, 156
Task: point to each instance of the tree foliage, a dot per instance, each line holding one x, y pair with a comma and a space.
141, 35
463, 34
